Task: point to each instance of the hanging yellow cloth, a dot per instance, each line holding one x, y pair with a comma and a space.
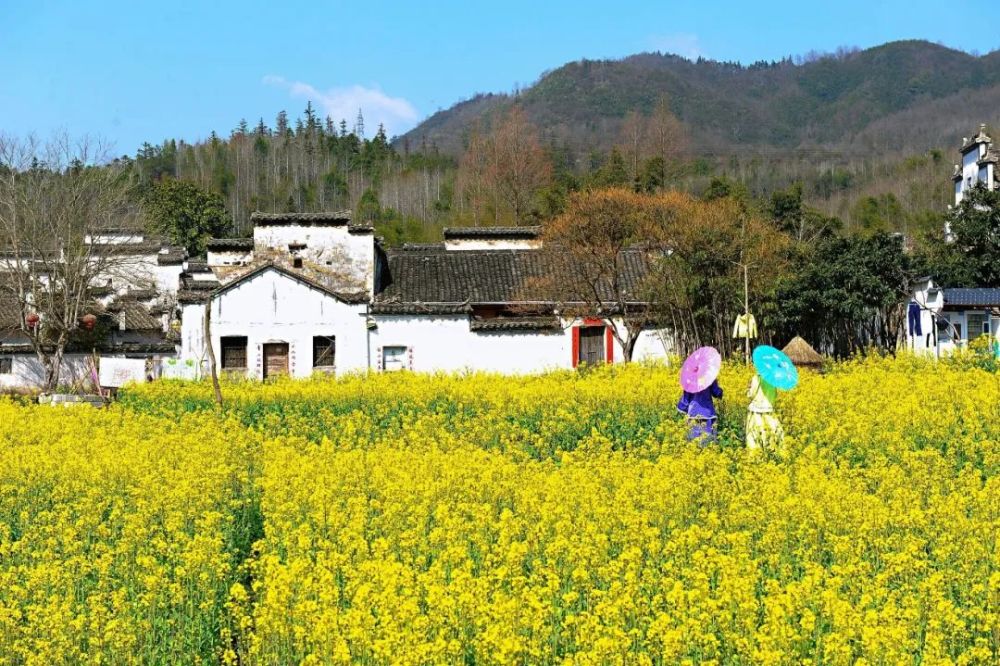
746, 326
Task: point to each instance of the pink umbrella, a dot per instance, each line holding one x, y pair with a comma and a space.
700, 369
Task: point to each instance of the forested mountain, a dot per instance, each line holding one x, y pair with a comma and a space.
838, 100
866, 136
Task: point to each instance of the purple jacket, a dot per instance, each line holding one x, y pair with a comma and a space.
700, 405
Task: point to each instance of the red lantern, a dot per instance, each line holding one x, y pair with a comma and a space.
88, 321
31, 320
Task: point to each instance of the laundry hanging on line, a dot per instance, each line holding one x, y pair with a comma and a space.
746, 326
913, 318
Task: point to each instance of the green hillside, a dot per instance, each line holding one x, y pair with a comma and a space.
827, 100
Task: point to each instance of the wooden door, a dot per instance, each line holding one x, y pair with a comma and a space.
591, 344
275, 359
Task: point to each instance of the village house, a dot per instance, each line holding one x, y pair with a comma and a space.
133, 310
941, 319
314, 292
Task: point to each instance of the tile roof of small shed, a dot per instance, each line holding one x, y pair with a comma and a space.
332, 218
222, 244
491, 233
984, 297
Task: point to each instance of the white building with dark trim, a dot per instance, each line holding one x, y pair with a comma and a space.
316, 293
979, 164
940, 318
135, 313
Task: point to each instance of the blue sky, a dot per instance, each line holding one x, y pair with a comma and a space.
144, 71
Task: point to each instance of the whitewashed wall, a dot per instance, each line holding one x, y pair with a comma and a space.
653, 345
970, 170
27, 372
492, 244
446, 343
193, 332
326, 245
272, 307
229, 257
167, 278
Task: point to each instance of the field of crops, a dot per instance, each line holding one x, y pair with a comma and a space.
475, 519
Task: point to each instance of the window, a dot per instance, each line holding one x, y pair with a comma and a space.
234, 352
394, 358
6, 365
324, 348
957, 332
297, 262
979, 324
591, 345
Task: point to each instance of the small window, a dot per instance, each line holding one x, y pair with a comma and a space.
324, 348
297, 262
234, 352
6, 365
979, 324
394, 358
958, 332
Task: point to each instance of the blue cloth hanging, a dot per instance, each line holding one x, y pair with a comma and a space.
913, 318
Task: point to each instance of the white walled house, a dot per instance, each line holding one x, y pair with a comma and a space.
939, 318
316, 293
951, 318
979, 163
274, 321
134, 306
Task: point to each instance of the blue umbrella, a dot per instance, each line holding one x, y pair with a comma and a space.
775, 367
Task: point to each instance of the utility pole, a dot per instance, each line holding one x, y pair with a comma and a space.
746, 313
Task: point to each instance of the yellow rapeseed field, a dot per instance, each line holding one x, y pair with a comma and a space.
558, 519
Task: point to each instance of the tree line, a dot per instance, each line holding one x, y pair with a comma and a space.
508, 172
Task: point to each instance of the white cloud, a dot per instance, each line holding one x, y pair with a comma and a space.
396, 113
684, 44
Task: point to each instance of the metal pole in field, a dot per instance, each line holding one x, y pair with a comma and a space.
746, 311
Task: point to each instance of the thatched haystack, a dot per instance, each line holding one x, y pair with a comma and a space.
802, 354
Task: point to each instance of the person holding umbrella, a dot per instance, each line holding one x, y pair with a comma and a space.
774, 371
699, 380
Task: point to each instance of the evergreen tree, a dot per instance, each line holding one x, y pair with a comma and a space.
614, 172
186, 214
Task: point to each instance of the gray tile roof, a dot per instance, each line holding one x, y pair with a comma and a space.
197, 266
223, 244
491, 233
987, 297
484, 276
533, 324
332, 218
131, 315
172, 257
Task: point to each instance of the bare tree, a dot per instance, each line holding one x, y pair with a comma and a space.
57, 202
633, 138
666, 137
601, 258
472, 179
519, 166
